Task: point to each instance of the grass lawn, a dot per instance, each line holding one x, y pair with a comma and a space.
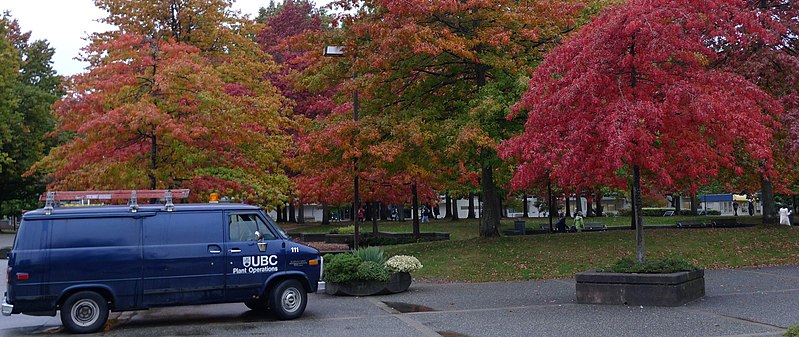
467, 258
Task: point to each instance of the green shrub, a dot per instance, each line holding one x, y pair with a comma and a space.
371, 271
669, 265
373, 254
343, 230
341, 267
370, 239
792, 331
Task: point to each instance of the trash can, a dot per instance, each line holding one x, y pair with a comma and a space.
519, 225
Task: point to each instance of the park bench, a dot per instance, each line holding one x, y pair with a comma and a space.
690, 224
722, 223
594, 227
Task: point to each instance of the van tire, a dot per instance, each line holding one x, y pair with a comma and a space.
288, 299
84, 312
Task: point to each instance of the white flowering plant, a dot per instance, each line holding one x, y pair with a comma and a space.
403, 264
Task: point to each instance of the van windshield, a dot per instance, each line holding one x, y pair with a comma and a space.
280, 232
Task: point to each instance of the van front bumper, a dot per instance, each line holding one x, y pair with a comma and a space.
7, 308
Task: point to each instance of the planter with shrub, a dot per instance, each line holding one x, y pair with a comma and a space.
366, 272
667, 282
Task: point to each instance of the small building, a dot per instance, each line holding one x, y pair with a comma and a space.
724, 203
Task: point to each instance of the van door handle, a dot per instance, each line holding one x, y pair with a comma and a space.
214, 249
235, 250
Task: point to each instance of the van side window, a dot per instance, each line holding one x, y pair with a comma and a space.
244, 226
106, 232
181, 228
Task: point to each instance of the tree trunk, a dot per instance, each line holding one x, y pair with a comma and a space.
598, 199
401, 210
325, 214
153, 161
375, 215
455, 210
677, 204
525, 206
633, 220
471, 214
301, 214
550, 205
640, 250
415, 211
292, 216
578, 199
694, 206
589, 205
384, 212
767, 198
489, 225
447, 206
568, 205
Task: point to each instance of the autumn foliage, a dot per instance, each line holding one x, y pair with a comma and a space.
174, 98
637, 87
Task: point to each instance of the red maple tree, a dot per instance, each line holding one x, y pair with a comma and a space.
634, 95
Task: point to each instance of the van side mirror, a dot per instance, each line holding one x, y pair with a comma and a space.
258, 236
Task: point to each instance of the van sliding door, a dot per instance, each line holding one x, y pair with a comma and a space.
183, 259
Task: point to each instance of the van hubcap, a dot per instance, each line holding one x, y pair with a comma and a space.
85, 312
291, 299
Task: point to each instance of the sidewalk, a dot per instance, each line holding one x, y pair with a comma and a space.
740, 302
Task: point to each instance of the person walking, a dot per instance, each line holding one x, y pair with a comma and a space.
751, 207
785, 213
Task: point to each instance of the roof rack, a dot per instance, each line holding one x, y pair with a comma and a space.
131, 195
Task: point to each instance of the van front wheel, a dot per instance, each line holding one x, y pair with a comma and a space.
288, 299
84, 312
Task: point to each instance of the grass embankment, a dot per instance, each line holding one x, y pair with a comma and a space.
467, 258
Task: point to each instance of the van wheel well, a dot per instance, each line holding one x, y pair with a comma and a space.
279, 279
103, 292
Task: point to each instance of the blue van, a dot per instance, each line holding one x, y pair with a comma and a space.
87, 261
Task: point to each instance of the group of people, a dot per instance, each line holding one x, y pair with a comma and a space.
578, 226
750, 208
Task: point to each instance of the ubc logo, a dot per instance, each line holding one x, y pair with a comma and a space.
259, 261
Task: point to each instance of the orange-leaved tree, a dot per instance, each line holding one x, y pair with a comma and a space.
174, 97
449, 70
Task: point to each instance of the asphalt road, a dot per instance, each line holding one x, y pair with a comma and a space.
741, 302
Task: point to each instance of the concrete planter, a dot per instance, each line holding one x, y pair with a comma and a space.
668, 289
397, 283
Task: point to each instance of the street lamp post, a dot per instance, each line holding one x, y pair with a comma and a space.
338, 51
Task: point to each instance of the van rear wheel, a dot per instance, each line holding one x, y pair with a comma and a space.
84, 312
288, 299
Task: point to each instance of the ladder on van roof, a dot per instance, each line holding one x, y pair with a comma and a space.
131, 195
